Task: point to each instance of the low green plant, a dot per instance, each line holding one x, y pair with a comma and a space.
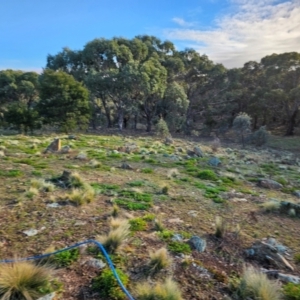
149, 217
66, 258
24, 280
11, 173
179, 247
166, 234
165, 190
147, 170
167, 290
132, 205
136, 183
137, 224
207, 175
292, 291
107, 285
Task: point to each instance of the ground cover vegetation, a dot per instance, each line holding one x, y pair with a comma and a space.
211, 214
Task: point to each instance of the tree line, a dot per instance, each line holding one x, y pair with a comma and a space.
127, 82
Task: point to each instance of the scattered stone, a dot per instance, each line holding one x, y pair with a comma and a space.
96, 263
214, 161
55, 146
239, 200
193, 213
289, 278
168, 141
80, 223
126, 166
269, 184
177, 237
190, 153
48, 297
198, 151
197, 243
65, 149
72, 137
297, 194
176, 220
81, 156
31, 232
53, 205
285, 207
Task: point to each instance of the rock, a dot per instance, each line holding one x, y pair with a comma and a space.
81, 156
176, 220
53, 205
96, 263
130, 148
297, 194
197, 243
126, 166
31, 232
190, 153
198, 151
214, 161
279, 247
285, 206
72, 137
269, 184
239, 200
168, 141
65, 149
2, 154
55, 146
180, 150
289, 278
48, 297
177, 237
192, 213
80, 223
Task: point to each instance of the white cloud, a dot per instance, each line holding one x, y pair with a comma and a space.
182, 22
251, 31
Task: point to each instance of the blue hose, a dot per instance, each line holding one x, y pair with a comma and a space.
75, 246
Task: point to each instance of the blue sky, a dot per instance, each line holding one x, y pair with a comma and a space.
231, 32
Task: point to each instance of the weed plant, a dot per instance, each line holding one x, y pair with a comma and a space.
292, 291
66, 258
179, 247
159, 260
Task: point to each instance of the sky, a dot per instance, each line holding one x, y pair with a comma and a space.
231, 32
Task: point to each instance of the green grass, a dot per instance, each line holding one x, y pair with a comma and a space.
11, 173
137, 224
131, 205
207, 175
136, 183
179, 247
66, 258
147, 170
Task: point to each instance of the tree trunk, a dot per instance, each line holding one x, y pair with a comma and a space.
120, 118
107, 114
291, 123
149, 124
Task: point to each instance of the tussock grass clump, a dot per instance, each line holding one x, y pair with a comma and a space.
159, 259
116, 237
115, 210
31, 192
257, 286
42, 185
271, 206
173, 173
158, 224
220, 227
80, 197
24, 280
76, 181
167, 290
94, 163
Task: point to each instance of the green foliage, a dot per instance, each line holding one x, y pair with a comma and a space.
64, 101
292, 291
136, 183
107, 285
242, 126
131, 205
207, 175
162, 129
147, 170
137, 224
11, 173
179, 247
166, 234
24, 118
66, 258
297, 258
261, 136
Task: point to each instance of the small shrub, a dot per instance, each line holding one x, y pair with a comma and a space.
107, 285
115, 238
161, 291
207, 175
94, 163
179, 247
242, 125
256, 285
172, 173
147, 170
136, 183
158, 224
137, 224
166, 234
115, 210
165, 190
159, 259
261, 136
220, 227
66, 258
132, 205
292, 291
24, 280
149, 217
162, 129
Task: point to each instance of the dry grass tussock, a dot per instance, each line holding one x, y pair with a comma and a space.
257, 286
80, 197
116, 237
271, 206
159, 259
42, 185
167, 290
23, 280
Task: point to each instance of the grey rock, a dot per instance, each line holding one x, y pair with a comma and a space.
285, 206
53, 205
279, 247
197, 243
190, 153
297, 194
168, 141
72, 137
126, 166
48, 297
198, 151
269, 184
289, 278
65, 149
214, 161
31, 232
177, 237
96, 263
81, 156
